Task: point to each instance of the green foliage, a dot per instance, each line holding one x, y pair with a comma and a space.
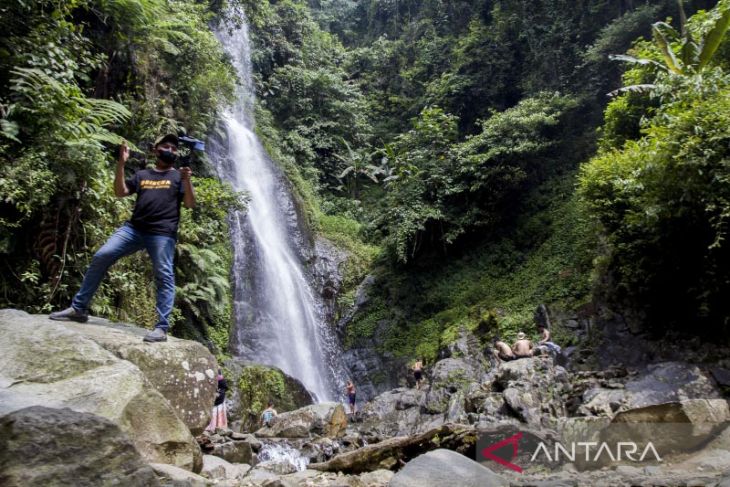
301, 82
679, 52
258, 385
491, 289
443, 190
662, 201
660, 196
76, 76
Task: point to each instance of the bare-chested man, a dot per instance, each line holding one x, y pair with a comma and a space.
546, 343
522, 347
418, 373
502, 351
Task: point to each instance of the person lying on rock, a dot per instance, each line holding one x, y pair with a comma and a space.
502, 351
523, 346
545, 343
153, 227
267, 417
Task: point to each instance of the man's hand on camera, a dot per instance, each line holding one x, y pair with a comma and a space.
123, 153
185, 173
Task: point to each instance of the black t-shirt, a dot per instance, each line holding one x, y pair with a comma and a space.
222, 388
159, 194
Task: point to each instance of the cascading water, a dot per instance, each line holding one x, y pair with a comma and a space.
278, 318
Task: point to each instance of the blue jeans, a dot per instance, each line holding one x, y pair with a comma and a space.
125, 241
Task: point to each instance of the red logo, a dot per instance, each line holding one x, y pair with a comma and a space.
512, 440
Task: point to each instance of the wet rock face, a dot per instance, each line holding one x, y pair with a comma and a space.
372, 372
60, 447
326, 274
366, 367
79, 373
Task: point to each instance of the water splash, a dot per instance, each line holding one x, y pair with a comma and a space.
281, 453
278, 318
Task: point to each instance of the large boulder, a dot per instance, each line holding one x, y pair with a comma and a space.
669, 382
183, 371
661, 383
395, 413
219, 469
59, 447
445, 467
235, 452
448, 377
78, 373
179, 477
325, 419
532, 389
253, 385
676, 426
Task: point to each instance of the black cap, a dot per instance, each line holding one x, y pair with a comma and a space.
167, 138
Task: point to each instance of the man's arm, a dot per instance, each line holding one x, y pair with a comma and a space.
189, 195
120, 187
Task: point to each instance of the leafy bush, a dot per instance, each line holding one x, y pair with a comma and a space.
662, 199
444, 189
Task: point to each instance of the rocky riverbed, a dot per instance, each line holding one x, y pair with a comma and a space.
92, 405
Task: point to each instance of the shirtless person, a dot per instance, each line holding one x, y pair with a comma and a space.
522, 347
546, 343
502, 351
350, 390
418, 373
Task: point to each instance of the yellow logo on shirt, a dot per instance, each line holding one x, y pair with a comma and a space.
155, 184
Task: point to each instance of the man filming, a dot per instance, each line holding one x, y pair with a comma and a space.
153, 227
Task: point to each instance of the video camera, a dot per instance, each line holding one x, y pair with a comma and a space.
193, 145
190, 143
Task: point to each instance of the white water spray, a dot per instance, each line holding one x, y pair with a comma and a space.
278, 318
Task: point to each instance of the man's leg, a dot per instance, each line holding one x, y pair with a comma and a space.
126, 240
162, 252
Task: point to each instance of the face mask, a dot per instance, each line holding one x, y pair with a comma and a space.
168, 157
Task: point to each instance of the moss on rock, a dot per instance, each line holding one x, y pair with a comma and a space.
254, 385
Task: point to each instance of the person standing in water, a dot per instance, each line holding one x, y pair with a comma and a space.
153, 227
350, 389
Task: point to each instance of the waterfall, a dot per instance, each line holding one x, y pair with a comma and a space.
278, 318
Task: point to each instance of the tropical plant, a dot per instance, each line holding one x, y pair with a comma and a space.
357, 163
682, 52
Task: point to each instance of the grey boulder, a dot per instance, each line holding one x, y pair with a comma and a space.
441, 467
48, 447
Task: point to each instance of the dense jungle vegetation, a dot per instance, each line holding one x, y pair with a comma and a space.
466, 153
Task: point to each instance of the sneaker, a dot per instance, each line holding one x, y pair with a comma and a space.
156, 335
70, 314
